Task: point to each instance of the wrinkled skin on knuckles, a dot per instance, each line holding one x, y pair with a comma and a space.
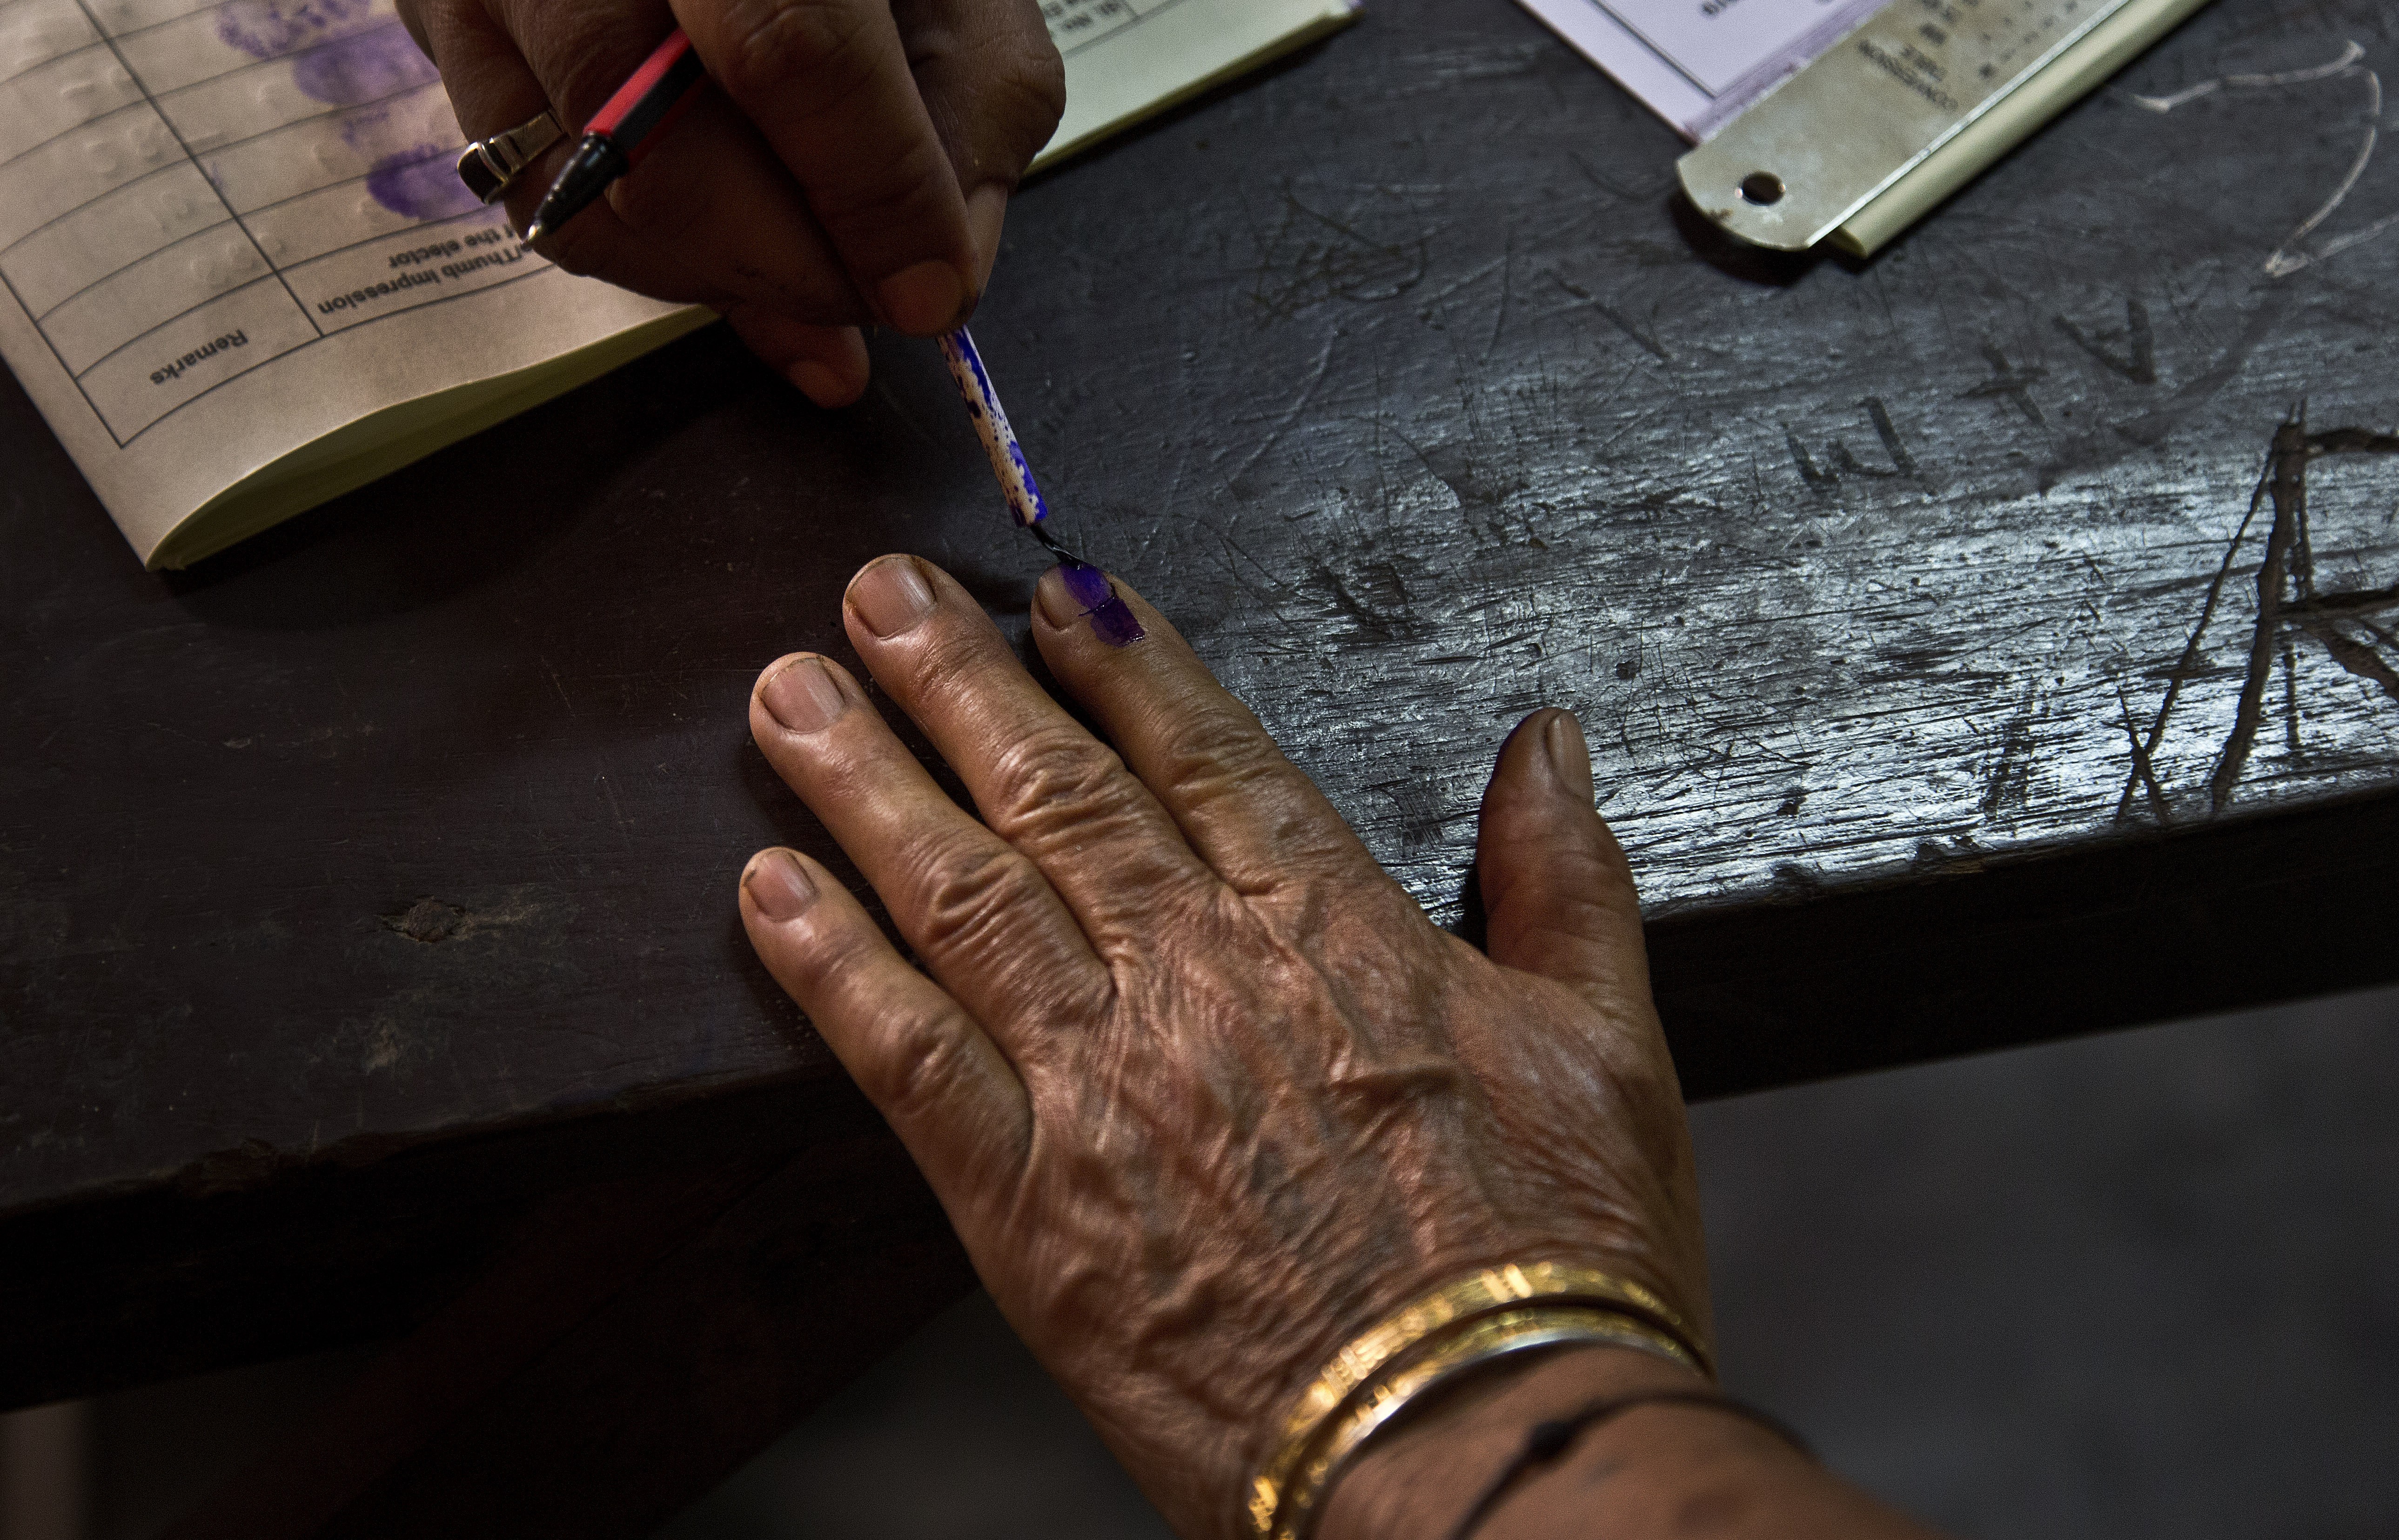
1202, 1089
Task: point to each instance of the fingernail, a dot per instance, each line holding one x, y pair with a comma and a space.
1058, 607
1085, 591
820, 384
778, 884
1569, 755
986, 211
802, 697
924, 299
891, 595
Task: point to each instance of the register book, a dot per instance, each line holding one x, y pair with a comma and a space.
239, 275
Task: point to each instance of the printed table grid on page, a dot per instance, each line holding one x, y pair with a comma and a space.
187, 192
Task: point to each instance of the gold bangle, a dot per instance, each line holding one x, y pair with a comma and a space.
1421, 1320
1478, 1342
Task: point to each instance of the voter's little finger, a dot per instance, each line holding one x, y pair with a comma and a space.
929, 1068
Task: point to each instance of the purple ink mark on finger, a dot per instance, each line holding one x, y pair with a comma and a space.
1112, 619
269, 29
365, 66
1088, 584
421, 182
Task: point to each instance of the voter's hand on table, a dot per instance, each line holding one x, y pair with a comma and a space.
1201, 1088
852, 166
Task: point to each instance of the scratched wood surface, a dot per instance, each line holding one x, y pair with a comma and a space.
330, 868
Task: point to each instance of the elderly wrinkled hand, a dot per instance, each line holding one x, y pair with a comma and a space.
853, 165
1201, 1088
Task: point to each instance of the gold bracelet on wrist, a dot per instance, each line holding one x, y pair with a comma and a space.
1487, 1314
1478, 1342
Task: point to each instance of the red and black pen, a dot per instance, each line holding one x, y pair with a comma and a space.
614, 142
621, 133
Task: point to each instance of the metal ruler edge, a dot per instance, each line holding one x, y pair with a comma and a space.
1859, 181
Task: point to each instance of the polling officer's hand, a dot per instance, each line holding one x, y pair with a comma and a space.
1201, 1088
851, 163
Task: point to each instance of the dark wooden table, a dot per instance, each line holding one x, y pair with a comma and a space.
368, 952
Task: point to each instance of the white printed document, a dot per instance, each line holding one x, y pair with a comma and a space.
1697, 63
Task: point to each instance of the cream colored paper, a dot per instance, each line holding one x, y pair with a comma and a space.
238, 274
1128, 58
241, 276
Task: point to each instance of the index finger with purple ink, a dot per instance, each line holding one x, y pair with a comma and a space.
1041, 780
1249, 813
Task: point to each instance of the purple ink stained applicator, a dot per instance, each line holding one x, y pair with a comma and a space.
634, 119
1112, 620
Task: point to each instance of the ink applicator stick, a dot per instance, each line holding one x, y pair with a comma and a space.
1112, 620
621, 132
1016, 481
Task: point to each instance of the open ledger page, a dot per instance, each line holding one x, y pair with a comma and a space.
227, 230
1697, 63
238, 274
